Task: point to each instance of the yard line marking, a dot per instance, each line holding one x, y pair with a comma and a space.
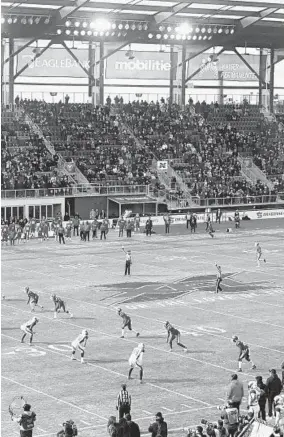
113, 295
40, 429
50, 396
147, 412
128, 298
223, 400
168, 409
86, 423
184, 405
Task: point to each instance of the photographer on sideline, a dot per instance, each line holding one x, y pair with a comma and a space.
26, 421
230, 416
69, 429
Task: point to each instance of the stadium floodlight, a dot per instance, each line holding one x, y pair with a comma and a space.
194, 37
183, 28
197, 29
30, 20
107, 33
227, 31
37, 20
67, 31
95, 33
126, 27
47, 20
209, 30
83, 32
220, 30
112, 33
183, 37
209, 37
150, 35
158, 36
76, 32
10, 21
24, 20
68, 23
189, 37
2, 20
204, 37
113, 26
145, 26
203, 30
101, 33
119, 34
215, 30
169, 29
77, 24
172, 36
84, 24
200, 37
120, 26
59, 31
133, 27
89, 33
232, 31
165, 36
140, 27
15, 20
161, 28
178, 36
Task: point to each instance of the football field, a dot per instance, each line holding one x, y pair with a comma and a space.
172, 278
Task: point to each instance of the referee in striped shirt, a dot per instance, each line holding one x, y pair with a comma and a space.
123, 402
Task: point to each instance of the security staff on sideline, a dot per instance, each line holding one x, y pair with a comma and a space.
123, 402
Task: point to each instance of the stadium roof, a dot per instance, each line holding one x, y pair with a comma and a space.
256, 23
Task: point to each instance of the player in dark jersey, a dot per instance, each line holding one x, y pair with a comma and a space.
126, 323
244, 353
58, 305
173, 334
5, 233
32, 299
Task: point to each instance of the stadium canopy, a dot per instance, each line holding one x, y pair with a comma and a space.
141, 204
206, 23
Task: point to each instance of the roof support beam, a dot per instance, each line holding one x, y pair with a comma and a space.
65, 11
160, 17
248, 21
201, 67
33, 59
88, 73
193, 55
112, 52
249, 66
19, 50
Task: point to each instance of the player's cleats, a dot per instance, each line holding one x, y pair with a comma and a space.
73, 358
170, 350
264, 260
185, 351
240, 370
71, 315
122, 336
82, 361
253, 367
137, 335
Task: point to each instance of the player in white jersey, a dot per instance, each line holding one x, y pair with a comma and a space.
259, 254
80, 344
136, 360
279, 413
27, 328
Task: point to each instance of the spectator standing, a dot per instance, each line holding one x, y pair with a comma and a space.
262, 397
128, 261
159, 428
129, 227
218, 215
134, 427
274, 387
167, 220
221, 430
76, 222
121, 226
235, 392
26, 421
112, 427
61, 233
104, 229
123, 402
94, 227
149, 226
87, 230
187, 218
230, 416
82, 231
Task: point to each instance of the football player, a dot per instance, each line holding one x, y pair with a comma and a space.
259, 254
218, 278
173, 334
5, 233
59, 304
80, 344
32, 299
126, 323
27, 328
244, 353
136, 360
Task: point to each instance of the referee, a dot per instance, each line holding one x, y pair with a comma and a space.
123, 402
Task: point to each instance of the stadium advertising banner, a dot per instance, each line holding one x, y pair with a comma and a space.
145, 65
230, 66
53, 63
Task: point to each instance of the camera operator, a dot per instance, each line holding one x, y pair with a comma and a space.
230, 416
69, 429
199, 432
221, 430
159, 427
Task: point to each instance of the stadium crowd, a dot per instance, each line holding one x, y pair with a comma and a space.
203, 153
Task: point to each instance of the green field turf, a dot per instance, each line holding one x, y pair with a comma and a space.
173, 279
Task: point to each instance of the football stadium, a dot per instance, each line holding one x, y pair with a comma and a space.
142, 218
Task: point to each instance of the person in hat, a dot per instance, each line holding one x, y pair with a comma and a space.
262, 397
159, 427
26, 421
274, 387
123, 402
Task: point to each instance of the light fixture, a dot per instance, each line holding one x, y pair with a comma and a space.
161, 28
205, 37
150, 35
107, 33
37, 20
172, 36
68, 23
2, 20
215, 30
77, 23
47, 20
95, 33
178, 36
183, 28
169, 29
183, 37
133, 27
126, 27
145, 26
76, 32
120, 26
30, 20
15, 19
209, 30
24, 20
165, 36
10, 21
158, 36
189, 37
112, 33
197, 30
200, 37
84, 24
119, 34
227, 31
59, 31
113, 26
203, 30
101, 33
194, 37
83, 32
209, 37
232, 31
140, 27
89, 33
67, 31
220, 30
124, 33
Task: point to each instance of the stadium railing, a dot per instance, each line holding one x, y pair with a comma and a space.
76, 191
234, 201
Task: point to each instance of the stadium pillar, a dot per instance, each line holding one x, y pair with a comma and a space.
91, 71
11, 71
261, 79
172, 75
183, 76
221, 88
102, 72
3, 85
271, 84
